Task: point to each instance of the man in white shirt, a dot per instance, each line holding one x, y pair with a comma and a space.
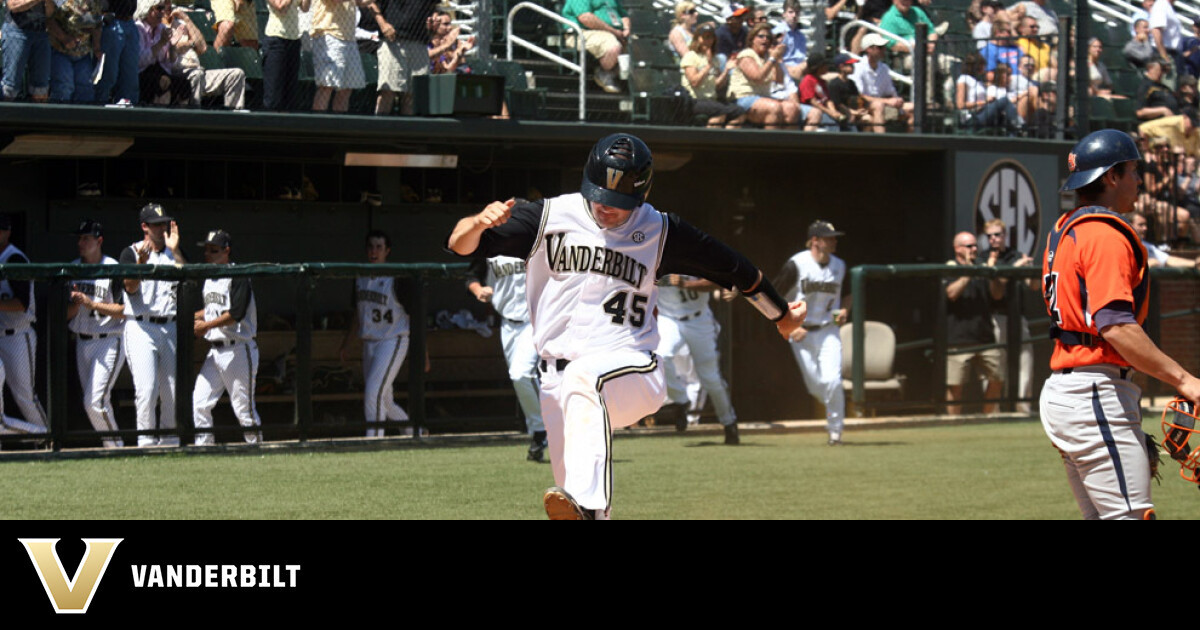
874, 82
1167, 32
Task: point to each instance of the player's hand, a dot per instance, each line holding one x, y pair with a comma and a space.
1024, 260
143, 252
388, 32
495, 214
198, 328
485, 294
993, 257
840, 317
793, 320
78, 298
1190, 389
171, 238
729, 294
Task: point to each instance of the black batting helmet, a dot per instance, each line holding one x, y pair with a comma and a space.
618, 172
1095, 154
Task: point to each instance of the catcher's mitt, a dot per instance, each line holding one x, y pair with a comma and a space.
1152, 452
1179, 431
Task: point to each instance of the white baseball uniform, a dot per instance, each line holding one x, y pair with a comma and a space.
592, 297
150, 347
685, 321
819, 353
18, 349
383, 326
232, 361
506, 276
99, 350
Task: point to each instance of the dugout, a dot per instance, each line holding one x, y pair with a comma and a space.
899, 198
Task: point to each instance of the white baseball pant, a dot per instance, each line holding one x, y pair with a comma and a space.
150, 351
17, 352
583, 404
522, 358
100, 362
819, 356
699, 335
382, 359
230, 368
10, 425
1093, 417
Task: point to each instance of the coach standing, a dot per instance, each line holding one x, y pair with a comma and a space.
1097, 294
150, 341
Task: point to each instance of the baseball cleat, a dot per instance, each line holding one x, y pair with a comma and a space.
560, 506
731, 435
536, 452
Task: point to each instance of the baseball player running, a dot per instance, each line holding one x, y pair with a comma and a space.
96, 315
150, 342
591, 261
229, 321
1096, 287
382, 323
18, 340
686, 320
817, 275
500, 280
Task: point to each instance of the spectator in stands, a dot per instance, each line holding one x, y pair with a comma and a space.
606, 35
158, 84
75, 46
1185, 92
1187, 182
1179, 131
188, 43
813, 93
683, 29
703, 80
1154, 98
732, 36
755, 68
235, 19
1031, 45
1100, 83
795, 56
1157, 257
869, 11
969, 323
982, 31
1001, 49
1139, 50
404, 52
845, 97
1043, 122
447, 52
281, 54
999, 253
759, 16
337, 66
1140, 14
1158, 185
838, 13
979, 106
902, 19
873, 78
999, 88
1167, 33
120, 45
1024, 89
26, 50
1040, 10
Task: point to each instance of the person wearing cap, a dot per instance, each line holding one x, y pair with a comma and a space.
1090, 406
18, 339
732, 36
845, 96
96, 315
816, 276
969, 323
606, 35
150, 337
873, 78
229, 322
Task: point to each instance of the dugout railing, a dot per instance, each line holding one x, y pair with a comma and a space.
54, 281
938, 348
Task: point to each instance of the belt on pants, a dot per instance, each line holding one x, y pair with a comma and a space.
816, 326
515, 322
1125, 372
154, 319
12, 331
99, 336
692, 316
222, 344
559, 364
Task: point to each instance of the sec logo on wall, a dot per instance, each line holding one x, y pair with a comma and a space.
1007, 192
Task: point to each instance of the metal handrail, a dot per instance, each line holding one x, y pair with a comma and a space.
1103, 8
580, 67
896, 76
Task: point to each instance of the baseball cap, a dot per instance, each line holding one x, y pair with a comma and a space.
153, 213
734, 9
823, 228
779, 28
5, 222
220, 238
873, 39
843, 59
90, 226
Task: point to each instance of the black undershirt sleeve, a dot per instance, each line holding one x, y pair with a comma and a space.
477, 271
692, 252
20, 287
239, 297
516, 237
787, 278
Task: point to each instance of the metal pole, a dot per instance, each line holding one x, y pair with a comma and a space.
1082, 21
1012, 377
920, 68
304, 330
1062, 80
57, 362
940, 347
858, 331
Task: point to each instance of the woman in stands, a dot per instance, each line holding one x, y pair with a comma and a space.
977, 105
1100, 83
702, 80
680, 38
755, 68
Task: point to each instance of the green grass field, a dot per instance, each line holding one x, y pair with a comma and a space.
986, 471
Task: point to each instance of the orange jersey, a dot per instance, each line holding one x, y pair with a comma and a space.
1092, 260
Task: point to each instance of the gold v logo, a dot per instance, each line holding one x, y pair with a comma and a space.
614, 178
75, 595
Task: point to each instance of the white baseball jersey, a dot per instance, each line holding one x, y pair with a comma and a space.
236, 296
155, 298
15, 320
592, 289
380, 314
99, 290
821, 286
506, 276
676, 302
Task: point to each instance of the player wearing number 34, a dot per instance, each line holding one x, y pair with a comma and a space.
593, 258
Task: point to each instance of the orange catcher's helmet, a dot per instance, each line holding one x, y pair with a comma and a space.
1183, 445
